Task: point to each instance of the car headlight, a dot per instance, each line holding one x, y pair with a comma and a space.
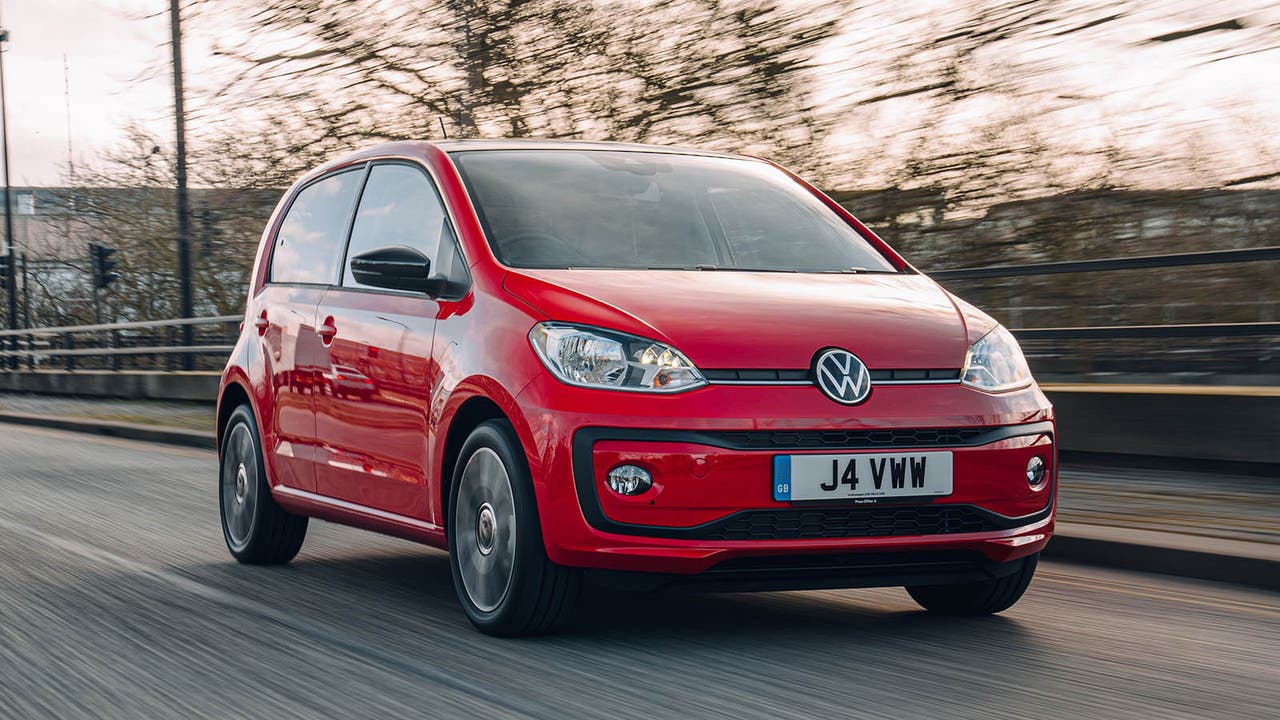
995, 363
593, 357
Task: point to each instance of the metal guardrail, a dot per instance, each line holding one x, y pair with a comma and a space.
113, 340
144, 343
1211, 257
109, 351
107, 327
112, 345
1250, 348
1113, 332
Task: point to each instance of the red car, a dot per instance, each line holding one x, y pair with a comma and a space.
648, 366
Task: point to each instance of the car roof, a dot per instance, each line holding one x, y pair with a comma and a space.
416, 148
469, 145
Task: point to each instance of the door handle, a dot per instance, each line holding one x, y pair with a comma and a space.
327, 330
262, 323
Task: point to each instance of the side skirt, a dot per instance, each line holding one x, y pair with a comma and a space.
342, 512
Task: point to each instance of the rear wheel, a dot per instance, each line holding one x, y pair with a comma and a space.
504, 580
256, 529
984, 597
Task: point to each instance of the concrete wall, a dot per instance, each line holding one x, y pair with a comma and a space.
196, 386
1202, 423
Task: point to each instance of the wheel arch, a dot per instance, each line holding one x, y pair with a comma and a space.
233, 395
478, 402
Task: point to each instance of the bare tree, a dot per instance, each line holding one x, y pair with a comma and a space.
124, 201
1003, 100
713, 72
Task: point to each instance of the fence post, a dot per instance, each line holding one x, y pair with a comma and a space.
115, 345
69, 343
171, 358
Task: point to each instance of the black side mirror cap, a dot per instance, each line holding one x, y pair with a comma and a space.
396, 268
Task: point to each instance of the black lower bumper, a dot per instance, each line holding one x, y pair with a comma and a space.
822, 571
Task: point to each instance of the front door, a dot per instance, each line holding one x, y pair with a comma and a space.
373, 414
372, 408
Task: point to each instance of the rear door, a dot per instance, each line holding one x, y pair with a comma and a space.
305, 258
372, 418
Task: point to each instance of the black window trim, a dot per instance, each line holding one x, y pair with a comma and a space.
351, 224
364, 166
448, 218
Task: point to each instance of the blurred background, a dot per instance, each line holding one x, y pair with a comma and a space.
970, 134
1102, 177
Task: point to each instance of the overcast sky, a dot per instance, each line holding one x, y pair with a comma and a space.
115, 50
117, 54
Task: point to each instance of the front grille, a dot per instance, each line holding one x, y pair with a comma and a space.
907, 376
767, 376
859, 522
756, 376
848, 439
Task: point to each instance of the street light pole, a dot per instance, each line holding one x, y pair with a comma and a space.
184, 208
12, 278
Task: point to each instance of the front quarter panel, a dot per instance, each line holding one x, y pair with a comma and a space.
481, 351
481, 347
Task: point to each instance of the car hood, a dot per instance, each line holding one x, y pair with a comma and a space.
743, 320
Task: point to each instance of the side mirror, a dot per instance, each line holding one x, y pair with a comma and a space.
395, 268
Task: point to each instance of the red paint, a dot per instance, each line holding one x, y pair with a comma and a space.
355, 392
760, 320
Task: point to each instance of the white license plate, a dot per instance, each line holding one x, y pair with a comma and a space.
861, 476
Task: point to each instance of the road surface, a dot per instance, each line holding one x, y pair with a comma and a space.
118, 599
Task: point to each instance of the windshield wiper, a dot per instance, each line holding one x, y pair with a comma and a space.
734, 268
868, 271
816, 271
707, 267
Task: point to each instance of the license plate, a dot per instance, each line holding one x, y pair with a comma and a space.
861, 476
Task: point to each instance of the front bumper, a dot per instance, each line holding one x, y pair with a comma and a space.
711, 511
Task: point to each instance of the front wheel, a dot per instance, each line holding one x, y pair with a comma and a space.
504, 580
984, 597
257, 530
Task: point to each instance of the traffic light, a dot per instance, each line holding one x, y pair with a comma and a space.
102, 265
210, 232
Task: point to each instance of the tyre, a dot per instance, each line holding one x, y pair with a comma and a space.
505, 582
984, 597
257, 530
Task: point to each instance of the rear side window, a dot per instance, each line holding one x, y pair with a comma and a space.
399, 206
308, 247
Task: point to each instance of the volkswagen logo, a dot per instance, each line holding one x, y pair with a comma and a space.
842, 377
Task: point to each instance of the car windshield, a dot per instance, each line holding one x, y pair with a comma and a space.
627, 209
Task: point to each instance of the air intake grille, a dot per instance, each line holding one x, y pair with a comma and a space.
796, 524
765, 377
848, 439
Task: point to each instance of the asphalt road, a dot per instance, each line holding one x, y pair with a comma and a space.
118, 599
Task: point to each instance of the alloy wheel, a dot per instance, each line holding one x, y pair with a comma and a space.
485, 524
239, 486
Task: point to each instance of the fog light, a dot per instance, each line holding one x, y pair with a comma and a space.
1035, 471
629, 480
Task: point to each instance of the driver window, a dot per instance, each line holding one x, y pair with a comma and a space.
399, 207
